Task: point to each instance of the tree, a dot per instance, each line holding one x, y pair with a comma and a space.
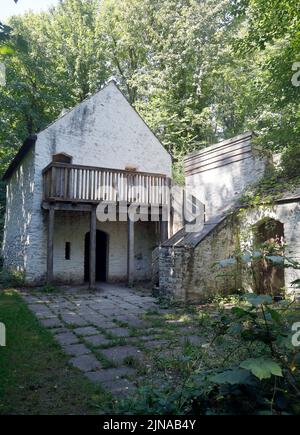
161, 52
55, 63
270, 33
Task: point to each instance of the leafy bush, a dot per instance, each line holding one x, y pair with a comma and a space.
291, 161
49, 288
271, 375
266, 382
271, 253
11, 278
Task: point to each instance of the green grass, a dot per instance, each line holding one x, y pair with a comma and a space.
35, 377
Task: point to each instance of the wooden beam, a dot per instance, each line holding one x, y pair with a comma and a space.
164, 231
130, 253
93, 231
50, 244
68, 206
242, 138
171, 223
218, 164
99, 168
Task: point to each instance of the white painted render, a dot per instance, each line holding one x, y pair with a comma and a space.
72, 227
103, 131
220, 187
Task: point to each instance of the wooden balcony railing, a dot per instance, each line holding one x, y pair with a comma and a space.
75, 183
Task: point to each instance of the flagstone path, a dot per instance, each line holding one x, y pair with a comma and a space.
113, 333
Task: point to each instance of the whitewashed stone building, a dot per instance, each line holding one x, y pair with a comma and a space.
56, 181
102, 152
188, 261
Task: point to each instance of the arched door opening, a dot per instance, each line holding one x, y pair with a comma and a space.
269, 278
101, 256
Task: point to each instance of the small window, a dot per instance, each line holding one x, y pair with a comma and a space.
130, 168
62, 158
68, 251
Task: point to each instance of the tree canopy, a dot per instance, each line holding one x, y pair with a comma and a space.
197, 70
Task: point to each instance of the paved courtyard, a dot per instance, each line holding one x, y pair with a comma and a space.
115, 335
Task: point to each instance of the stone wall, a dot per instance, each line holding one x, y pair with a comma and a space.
173, 263
289, 215
191, 275
187, 274
18, 219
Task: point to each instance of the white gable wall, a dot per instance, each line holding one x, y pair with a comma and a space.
103, 131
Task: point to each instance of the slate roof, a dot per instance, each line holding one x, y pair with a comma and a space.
182, 239
27, 145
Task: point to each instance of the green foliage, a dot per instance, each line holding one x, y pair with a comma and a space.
249, 366
271, 188
262, 368
232, 377
10, 279
49, 288
41, 381
270, 326
196, 71
257, 300
263, 255
291, 161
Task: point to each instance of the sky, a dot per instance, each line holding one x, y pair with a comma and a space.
9, 7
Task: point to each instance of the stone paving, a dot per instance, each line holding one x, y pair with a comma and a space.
111, 333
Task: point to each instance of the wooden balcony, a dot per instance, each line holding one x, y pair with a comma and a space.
70, 187
85, 184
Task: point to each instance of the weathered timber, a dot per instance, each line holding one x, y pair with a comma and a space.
87, 184
50, 244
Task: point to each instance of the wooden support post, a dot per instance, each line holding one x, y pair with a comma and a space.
164, 231
50, 244
93, 230
171, 223
130, 253
171, 202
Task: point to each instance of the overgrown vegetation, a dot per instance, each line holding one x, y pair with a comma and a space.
10, 279
35, 377
249, 360
271, 188
247, 364
237, 355
196, 70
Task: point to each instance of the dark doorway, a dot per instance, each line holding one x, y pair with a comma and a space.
269, 279
101, 256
